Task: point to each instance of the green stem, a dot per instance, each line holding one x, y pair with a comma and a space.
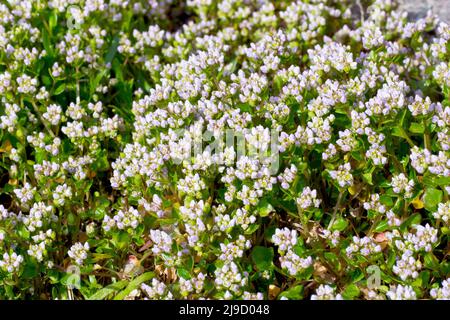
426, 137
145, 256
304, 219
405, 135
77, 86
333, 218
42, 119
377, 219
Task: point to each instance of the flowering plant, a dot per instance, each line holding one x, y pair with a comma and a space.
118, 161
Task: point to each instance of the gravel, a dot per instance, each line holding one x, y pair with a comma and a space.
418, 8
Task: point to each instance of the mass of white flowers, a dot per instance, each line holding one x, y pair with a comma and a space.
229, 149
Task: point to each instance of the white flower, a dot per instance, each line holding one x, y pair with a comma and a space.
420, 159
123, 219
284, 238
326, 292
407, 266
53, 114
26, 84
61, 194
293, 263
308, 198
442, 293
375, 204
399, 292
443, 212
79, 252
157, 290
346, 141
229, 277
162, 242
400, 184
11, 262
343, 175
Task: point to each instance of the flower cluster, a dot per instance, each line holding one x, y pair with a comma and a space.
224, 149
79, 252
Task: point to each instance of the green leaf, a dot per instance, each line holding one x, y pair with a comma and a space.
53, 20
60, 89
99, 213
416, 128
357, 275
431, 180
333, 259
40, 155
112, 50
121, 239
252, 228
71, 219
445, 231
368, 177
23, 232
134, 285
46, 80
94, 82
269, 232
340, 224
351, 292
46, 42
117, 67
294, 293
263, 257
30, 271
101, 163
412, 220
386, 200
184, 273
430, 261
357, 156
445, 267
100, 256
425, 276
432, 198
264, 208
245, 107
106, 291
398, 132
417, 282
381, 226
391, 259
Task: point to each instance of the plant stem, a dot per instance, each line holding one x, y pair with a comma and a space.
42, 119
426, 137
405, 135
145, 256
78, 86
333, 218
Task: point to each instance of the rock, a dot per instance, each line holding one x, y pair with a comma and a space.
418, 8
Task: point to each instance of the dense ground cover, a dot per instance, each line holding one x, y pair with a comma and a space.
117, 181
